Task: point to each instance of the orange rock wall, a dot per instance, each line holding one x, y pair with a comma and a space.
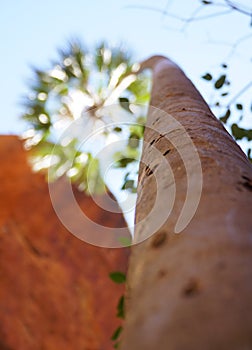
55, 292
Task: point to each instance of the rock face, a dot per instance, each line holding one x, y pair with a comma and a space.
55, 292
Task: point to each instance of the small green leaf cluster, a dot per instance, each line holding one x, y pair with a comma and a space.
118, 277
231, 110
240, 133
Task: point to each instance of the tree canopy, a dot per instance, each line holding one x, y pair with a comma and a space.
105, 89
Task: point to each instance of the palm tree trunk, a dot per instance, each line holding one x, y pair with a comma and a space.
191, 289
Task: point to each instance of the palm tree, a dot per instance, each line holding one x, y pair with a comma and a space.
104, 89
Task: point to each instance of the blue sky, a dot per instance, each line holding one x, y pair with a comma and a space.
32, 31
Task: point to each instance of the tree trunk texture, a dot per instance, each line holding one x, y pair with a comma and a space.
190, 290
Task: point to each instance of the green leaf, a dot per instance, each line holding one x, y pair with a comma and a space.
120, 308
133, 141
132, 153
207, 76
116, 333
99, 57
140, 88
124, 103
117, 277
220, 82
206, 2
225, 117
137, 130
224, 94
117, 129
63, 90
240, 133
237, 132
239, 106
94, 180
123, 162
99, 61
116, 345
125, 241
128, 185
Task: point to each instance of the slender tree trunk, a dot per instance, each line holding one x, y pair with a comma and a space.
190, 290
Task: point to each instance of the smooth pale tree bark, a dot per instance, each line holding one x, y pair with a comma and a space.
191, 290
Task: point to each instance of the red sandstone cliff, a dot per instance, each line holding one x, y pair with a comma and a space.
55, 292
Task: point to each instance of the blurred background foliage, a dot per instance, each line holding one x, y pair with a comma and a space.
84, 83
